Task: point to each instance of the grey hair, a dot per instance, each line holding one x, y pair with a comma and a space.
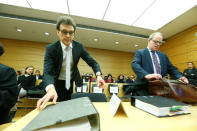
153, 34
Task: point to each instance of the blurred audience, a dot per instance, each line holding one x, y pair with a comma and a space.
191, 73
27, 81
120, 79
37, 75
18, 73
131, 79
109, 79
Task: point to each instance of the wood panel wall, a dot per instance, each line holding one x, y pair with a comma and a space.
182, 48
19, 54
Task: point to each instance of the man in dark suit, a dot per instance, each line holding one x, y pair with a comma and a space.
191, 73
60, 64
149, 63
8, 90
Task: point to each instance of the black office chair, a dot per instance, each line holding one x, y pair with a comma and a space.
94, 97
128, 89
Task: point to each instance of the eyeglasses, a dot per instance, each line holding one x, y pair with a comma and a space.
158, 42
64, 32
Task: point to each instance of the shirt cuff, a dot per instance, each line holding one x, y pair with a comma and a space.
98, 73
49, 87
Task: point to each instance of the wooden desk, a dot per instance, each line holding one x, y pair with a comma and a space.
137, 120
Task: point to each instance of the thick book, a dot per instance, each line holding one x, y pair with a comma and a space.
159, 106
75, 114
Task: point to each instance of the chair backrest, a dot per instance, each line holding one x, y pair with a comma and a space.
94, 97
83, 89
38, 82
113, 89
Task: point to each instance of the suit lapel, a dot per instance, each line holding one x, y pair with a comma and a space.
74, 52
60, 54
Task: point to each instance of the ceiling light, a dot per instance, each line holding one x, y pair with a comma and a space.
136, 45
46, 33
95, 39
19, 30
116, 42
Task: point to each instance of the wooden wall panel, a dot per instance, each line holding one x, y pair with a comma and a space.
19, 54
182, 48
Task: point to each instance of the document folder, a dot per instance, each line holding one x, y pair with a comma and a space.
64, 112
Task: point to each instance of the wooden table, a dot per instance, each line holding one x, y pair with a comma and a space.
137, 120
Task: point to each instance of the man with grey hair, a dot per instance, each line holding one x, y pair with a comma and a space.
149, 63
60, 64
8, 90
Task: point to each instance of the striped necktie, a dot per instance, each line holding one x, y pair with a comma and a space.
156, 63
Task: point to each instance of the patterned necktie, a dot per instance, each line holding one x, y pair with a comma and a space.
68, 67
156, 63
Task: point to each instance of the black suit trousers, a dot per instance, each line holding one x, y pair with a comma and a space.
4, 114
62, 92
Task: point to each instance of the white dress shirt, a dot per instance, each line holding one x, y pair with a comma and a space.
62, 75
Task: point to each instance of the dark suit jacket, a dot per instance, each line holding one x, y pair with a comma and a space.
8, 91
28, 83
142, 65
191, 75
54, 58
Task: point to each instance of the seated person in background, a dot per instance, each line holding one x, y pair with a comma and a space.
105, 78
22, 71
191, 73
37, 75
149, 63
131, 79
27, 81
109, 79
120, 79
18, 73
8, 90
125, 78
